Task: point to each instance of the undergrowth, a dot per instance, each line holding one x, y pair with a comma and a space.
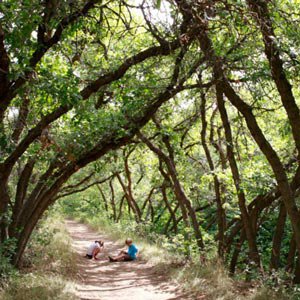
48, 266
206, 277
38, 286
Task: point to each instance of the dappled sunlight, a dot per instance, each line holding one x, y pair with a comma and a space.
172, 125
124, 280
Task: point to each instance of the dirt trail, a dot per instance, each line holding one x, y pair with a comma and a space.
102, 280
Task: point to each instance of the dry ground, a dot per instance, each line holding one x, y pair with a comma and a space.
102, 280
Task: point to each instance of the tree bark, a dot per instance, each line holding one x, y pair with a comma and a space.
42, 47
21, 121
45, 192
249, 231
290, 262
22, 187
261, 14
131, 202
220, 211
296, 279
175, 222
103, 197
113, 205
5, 199
277, 238
246, 111
178, 190
168, 205
236, 253
120, 208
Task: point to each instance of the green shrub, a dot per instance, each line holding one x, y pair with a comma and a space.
47, 259
176, 257
6, 251
37, 287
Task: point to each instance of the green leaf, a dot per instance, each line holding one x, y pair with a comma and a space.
158, 4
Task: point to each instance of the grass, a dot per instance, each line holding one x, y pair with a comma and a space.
212, 280
49, 267
37, 286
207, 278
50, 249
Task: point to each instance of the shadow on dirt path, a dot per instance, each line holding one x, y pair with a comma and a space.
102, 280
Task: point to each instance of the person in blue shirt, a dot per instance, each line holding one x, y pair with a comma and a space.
128, 255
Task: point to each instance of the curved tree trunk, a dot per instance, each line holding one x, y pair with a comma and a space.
113, 205
249, 231
221, 217
225, 87
181, 197
260, 13
277, 238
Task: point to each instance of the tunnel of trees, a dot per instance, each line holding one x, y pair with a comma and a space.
182, 115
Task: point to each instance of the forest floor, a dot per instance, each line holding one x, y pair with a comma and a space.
102, 280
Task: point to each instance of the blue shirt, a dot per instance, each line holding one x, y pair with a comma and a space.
132, 251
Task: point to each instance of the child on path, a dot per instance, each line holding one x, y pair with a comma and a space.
128, 255
94, 249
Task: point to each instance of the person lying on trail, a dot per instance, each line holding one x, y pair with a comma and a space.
128, 255
94, 249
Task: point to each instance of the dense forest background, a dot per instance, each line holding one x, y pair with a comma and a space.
176, 119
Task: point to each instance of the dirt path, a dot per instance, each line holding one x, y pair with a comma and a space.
102, 280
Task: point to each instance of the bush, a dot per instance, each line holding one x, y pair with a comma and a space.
37, 287
50, 248
6, 269
177, 257
47, 259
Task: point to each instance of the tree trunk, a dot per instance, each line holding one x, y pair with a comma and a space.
132, 205
250, 235
167, 179
171, 212
236, 253
178, 190
120, 209
277, 238
296, 279
22, 187
261, 14
175, 222
220, 211
4, 202
103, 197
113, 205
290, 262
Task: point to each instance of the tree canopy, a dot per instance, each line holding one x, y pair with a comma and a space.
179, 115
